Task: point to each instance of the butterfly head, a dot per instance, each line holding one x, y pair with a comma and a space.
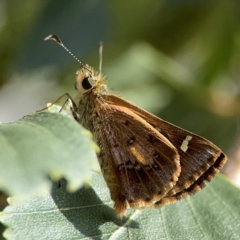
88, 80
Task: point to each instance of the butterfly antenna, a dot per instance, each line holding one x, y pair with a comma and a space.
58, 41
100, 50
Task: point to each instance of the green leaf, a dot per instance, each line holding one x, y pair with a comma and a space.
88, 213
41, 145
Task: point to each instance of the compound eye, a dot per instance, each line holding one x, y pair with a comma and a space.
86, 83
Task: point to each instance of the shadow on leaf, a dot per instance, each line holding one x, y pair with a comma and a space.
85, 210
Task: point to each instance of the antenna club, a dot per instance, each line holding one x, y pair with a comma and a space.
56, 39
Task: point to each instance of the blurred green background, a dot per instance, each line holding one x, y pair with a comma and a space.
178, 59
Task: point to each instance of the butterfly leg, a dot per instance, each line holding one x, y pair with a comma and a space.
73, 106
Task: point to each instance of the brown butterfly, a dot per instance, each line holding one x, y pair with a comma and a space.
145, 160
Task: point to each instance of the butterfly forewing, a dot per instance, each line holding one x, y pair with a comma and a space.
200, 159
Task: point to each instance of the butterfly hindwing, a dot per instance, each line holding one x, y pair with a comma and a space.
146, 163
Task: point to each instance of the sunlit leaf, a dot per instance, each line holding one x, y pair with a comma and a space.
41, 145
